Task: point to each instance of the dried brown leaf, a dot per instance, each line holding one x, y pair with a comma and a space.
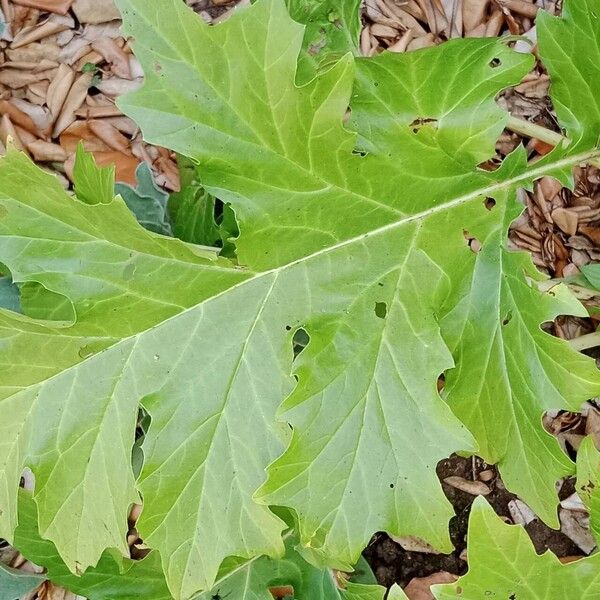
475, 488
95, 11
73, 101
57, 6
419, 587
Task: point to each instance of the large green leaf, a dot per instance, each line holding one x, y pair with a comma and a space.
362, 248
503, 564
283, 174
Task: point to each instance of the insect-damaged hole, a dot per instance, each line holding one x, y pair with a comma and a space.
473, 243
381, 309
299, 341
27, 481
422, 121
489, 203
507, 319
441, 382
281, 592
495, 62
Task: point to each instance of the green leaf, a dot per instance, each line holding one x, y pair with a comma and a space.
396, 593
146, 201
355, 238
93, 184
193, 213
426, 144
252, 581
117, 578
503, 564
332, 29
9, 295
588, 481
570, 46
113, 578
82, 467
15, 583
592, 275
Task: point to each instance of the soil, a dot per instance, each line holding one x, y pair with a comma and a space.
392, 564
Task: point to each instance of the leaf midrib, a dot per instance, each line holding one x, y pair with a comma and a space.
527, 175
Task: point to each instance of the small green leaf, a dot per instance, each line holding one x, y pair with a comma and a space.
92, 184
592, 275
332, 29
396, 593
15, 583
146, 201
504, 564
9, 295
192, 210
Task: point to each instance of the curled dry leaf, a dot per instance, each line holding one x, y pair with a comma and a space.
109, 135
520, 513
475, 488
73, 101
95, 11
58, 89
55, 24
7, 130
46, 151
57, 6
18, 117
114, 55
473, 14
566, 219
419, 587
411, 543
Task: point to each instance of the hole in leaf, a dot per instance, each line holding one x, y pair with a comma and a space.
27, 481
441, 382
282, 592
495, 62
361, 153
391, 486
300, 341
473, 243
489, 203
421, 122
507, 319
381, 309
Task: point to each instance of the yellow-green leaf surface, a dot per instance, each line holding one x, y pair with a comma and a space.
354, 233
588, 481
332, 29
118, 578
504, 564
92, 184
